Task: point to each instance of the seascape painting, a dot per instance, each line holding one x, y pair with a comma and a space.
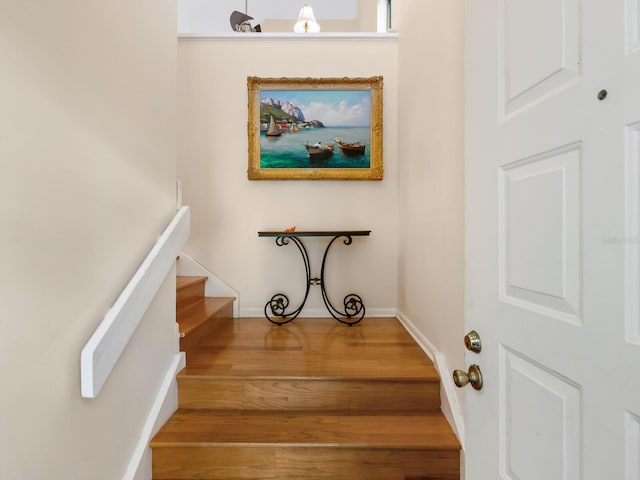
335, 122
315, 128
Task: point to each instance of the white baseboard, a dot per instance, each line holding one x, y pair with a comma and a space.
214, 287
320, 312
450, 406
165, 403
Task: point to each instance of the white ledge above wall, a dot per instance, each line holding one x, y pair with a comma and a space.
107, 343
290, 36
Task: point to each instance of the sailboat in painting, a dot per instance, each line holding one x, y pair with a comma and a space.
273, 129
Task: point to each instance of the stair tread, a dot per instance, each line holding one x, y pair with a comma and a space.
429, 431
377, 348
189, 374
183, 281
199, 311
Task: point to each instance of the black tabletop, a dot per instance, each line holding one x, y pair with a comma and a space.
316, 233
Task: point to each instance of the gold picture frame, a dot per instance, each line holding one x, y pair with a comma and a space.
287, 142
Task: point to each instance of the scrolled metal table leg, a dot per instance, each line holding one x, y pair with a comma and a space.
278, 304
354, 309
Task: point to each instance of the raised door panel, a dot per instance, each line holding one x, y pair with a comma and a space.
547, 30
540, 422
632, 427
632, 26
631, 240
540, 248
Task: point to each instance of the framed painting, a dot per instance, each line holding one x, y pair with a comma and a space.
315, 128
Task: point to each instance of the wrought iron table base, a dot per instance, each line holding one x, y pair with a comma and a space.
275, 310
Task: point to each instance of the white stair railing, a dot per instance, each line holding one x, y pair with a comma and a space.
105, 346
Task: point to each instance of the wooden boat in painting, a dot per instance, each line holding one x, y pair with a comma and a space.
273, 129
350, 148
319, 152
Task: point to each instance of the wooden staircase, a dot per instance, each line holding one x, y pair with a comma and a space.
313, 399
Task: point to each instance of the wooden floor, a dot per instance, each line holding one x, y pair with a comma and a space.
312, 399
320, 347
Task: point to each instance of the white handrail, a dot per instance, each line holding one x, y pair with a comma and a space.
105, 346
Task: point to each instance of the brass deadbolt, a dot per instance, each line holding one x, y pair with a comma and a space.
472, 341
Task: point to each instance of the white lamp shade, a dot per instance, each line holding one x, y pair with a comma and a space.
306, 22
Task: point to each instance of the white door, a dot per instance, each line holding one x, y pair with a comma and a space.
553, 208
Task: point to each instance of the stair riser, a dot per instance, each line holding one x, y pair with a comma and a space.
298, 463
207, 330
316, 395
189, 293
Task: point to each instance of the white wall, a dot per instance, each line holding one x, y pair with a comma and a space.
88, 168
228, 210
431, 173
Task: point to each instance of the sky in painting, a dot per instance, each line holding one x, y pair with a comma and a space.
334, 108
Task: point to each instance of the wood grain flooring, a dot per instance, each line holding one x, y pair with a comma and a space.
312, 399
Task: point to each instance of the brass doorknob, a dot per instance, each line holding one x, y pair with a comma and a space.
474, 377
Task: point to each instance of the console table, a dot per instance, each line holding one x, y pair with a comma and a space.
276, 309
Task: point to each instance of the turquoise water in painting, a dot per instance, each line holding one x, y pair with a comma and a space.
287, 150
